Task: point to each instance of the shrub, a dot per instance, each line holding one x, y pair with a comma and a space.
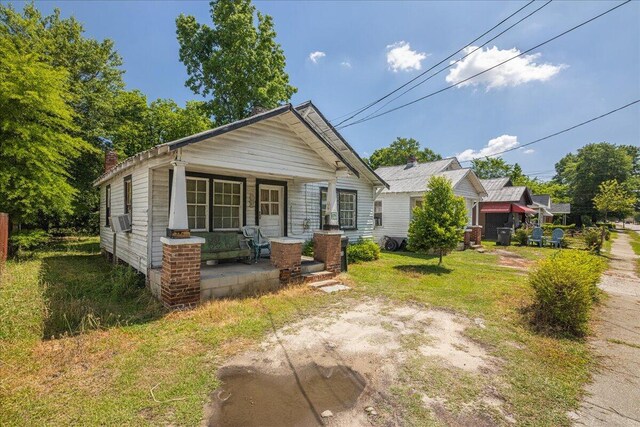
521, 235
561, 227
363, 250
592, 239
307, 248
29, 240
586, 221
565, 287
608, 225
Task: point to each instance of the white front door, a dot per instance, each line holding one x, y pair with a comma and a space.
270, 212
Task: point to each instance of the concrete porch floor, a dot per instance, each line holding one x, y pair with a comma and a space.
230, 279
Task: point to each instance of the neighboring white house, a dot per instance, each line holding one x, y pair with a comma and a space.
272, 169
407, 185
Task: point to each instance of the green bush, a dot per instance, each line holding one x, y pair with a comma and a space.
592, 239
363, 250
565, 287
561, 227
609, 225
586, 221
521, 235
307, 248
29, 240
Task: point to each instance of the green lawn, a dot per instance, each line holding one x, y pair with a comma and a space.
635, 244
119, 343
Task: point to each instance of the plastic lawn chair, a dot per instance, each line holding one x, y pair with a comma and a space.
556, 238
257, 241
536, 237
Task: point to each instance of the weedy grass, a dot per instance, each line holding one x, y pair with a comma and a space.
80, 344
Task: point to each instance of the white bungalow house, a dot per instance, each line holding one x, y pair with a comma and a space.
285, 170
407, 185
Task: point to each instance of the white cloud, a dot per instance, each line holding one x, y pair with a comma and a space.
529, 151
315, 56
495, 145
400, 57
346, 64
515, 72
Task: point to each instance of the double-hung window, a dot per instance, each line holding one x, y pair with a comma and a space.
347, 208
107, 205
128, 197
227, 204
377, 213
198, 203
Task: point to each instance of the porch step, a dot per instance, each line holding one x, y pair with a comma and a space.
311, 266
329, 286
317, 276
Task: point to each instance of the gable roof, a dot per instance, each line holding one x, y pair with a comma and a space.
508, 194
542, 199
312, 115
338, 147
560, 208
403, 179
495, 183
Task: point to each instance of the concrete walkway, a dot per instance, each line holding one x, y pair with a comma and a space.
613, 398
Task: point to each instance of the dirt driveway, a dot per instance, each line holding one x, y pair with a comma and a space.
613, 398
341, 370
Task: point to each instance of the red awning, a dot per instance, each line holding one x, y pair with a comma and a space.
496, 207
522, 209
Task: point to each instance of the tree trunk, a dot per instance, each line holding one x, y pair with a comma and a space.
440, 262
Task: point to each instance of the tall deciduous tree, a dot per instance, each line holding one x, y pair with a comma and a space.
399, 151
36, 128
613, 197
491, 167
439, 222
92, 70
236, 63
592, 165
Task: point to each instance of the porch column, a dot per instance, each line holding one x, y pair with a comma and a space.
477, 221
178, 223
331, 213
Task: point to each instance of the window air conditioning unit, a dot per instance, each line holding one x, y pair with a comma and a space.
120, 223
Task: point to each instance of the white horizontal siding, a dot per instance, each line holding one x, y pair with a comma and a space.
270, 148
304, 207
130, 247
396, 215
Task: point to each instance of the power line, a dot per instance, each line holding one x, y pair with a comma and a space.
488, 69
458, 60
562, 131
371, 104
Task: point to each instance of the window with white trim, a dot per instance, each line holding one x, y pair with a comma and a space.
198, 203
227, 204
347, 208
377, 213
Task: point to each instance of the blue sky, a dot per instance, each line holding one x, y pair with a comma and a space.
370, 48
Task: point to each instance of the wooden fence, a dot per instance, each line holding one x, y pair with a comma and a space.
4, 236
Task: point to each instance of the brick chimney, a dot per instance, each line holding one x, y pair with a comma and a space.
110, 160
411, 162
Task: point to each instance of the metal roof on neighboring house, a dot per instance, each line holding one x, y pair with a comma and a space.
508, 194
543, 199
560, 208
413, 179
495, 183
